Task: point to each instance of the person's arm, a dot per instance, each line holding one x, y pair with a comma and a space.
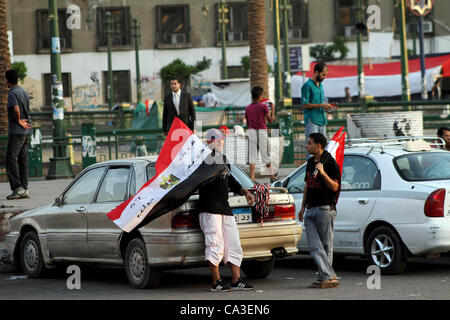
237, 188
270, 116
332, 184
306, 98
302, 210
191, 113
21, 122
164, 122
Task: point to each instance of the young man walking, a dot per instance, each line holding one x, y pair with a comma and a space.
19, 130
256, 115
313, 103
323, 180
217, 222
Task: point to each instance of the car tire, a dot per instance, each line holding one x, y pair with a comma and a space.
385, 249
255, 269
31, 258
139, 273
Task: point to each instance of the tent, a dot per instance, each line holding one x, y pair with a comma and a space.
382, 80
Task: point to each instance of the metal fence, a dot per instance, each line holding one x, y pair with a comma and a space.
116, 139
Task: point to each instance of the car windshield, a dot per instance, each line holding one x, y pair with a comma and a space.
424, 166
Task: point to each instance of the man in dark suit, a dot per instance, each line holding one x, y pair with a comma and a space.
179, 104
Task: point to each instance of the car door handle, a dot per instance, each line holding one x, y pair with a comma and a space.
81, 210
363, 201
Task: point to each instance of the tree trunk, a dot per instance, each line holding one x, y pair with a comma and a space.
4, 66
257, 38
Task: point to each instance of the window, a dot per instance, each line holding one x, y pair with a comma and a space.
237, 27
114, 185
67, 88
151, 171
347, 17
121, 83
83, 190
241, 177
424, 166
298, 22
43, 30
360, 173
236, 72
120, 26
172, 24
296, 183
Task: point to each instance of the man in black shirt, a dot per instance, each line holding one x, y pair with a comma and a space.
217, 221
19, 130
323, 180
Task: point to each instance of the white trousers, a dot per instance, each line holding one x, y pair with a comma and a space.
221, 239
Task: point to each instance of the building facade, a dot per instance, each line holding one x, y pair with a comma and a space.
185, 29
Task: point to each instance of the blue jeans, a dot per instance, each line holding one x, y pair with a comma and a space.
313, 128
319, 225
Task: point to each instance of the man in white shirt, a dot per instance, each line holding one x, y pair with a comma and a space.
178, 103
209, 100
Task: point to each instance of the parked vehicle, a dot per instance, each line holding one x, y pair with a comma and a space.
76, 228
394, 201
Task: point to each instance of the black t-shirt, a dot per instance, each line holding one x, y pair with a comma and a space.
318, 193
214, 195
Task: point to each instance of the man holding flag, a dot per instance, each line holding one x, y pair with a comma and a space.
323, 181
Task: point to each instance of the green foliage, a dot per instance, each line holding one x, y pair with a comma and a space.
323, 52
178, 68
245, 62
21, 69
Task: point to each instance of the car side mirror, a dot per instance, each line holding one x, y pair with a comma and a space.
57, 201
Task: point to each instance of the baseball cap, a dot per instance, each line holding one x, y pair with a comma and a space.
213, 134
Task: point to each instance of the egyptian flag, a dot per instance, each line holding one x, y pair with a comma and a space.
336, 148
184, 164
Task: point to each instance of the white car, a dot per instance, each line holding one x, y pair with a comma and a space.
394, 201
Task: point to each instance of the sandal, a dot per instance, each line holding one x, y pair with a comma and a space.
325, 284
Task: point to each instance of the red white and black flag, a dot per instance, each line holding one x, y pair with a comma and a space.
336, 147
184, 164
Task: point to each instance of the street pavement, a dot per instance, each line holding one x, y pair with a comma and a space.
422, 280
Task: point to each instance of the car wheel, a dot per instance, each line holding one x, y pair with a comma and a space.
140, 274
31, 258
255, 269
385, 250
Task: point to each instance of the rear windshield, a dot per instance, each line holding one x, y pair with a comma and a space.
424, 166
240, 175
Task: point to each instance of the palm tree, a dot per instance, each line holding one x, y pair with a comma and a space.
257, 38
4, 66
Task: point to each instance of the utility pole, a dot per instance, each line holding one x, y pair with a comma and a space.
406, 93
277, 52
223, 21
137, 36
286, 60
360, 19
422, 60
110, 74
60, 166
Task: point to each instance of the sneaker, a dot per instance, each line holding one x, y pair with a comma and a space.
17, 194
220, 286
240, 285
26, 193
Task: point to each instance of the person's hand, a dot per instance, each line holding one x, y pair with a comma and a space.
24, 124
319, 168
249, 197
301, 213
328, 107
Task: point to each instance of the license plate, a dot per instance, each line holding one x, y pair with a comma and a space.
243, 215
